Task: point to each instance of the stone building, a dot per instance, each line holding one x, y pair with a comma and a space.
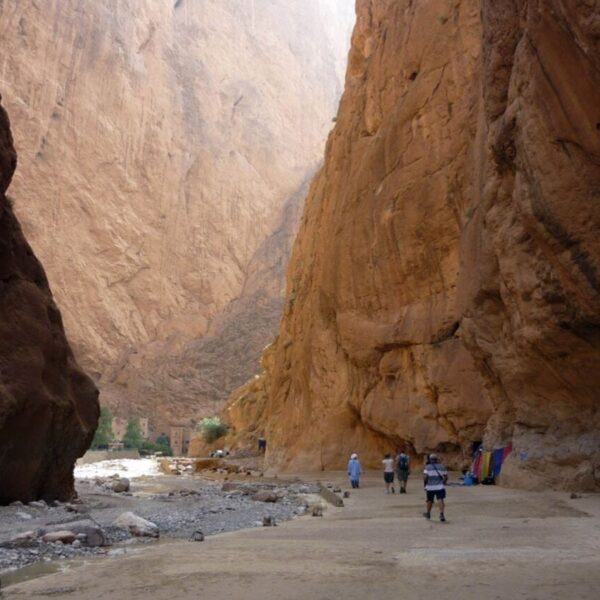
180, 440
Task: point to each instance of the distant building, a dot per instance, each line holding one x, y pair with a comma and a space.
145, 427
179, 438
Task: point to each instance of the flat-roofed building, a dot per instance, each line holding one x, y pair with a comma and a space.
180, 440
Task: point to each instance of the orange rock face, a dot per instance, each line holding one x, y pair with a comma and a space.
166, 139
443, 286
48, 406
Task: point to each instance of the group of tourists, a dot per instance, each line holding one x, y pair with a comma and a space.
435, 477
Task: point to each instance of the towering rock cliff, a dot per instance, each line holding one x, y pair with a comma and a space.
166, 138
443, 288
48, 406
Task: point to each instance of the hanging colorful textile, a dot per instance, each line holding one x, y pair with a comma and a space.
476, 470
486, 461
497, 460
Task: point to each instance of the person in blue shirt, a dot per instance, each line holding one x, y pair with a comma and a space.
354, 471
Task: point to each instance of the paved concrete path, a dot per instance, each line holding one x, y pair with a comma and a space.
497, 544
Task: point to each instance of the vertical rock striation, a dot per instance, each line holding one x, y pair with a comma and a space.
531, 251
48, 406
165, 138
443, 287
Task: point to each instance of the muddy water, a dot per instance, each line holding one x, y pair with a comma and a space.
37, 570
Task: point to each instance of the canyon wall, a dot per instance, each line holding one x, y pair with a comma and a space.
166, 139
443, 288
48, 406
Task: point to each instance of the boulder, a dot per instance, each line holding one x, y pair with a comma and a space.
121, 485
330, 497
136, 525
26, 535
89, 532
230, 486
63, 535
265, 496
197, 536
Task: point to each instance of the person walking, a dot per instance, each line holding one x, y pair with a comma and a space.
354, 471
403, 470
388, 473
435, 477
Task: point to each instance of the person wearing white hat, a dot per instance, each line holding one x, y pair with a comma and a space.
354, 471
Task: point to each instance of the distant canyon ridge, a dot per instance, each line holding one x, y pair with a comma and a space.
165, 153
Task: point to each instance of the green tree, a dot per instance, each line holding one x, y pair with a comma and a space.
212, 429
133, 435
104, 433
164, 445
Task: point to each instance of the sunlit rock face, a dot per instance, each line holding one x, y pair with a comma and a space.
443, 286
48, 406
169, 142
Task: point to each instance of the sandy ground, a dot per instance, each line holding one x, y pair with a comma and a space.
497, 544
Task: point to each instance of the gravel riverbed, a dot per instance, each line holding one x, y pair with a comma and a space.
183, 507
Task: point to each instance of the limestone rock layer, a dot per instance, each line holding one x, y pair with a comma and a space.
167, 139
443, 288
48, 406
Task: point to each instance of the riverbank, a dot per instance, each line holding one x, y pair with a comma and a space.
182, 507
497, 544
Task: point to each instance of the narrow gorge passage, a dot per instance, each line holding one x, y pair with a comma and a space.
277, 234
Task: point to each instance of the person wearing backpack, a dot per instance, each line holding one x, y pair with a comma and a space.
403, 468
435, 477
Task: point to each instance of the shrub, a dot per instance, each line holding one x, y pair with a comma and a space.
104, 434
162, 445
212, 428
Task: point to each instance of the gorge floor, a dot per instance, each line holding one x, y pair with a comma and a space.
178, 505
497, 544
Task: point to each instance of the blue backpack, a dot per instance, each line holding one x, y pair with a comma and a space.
403, 463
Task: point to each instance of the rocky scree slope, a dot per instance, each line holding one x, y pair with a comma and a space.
443, 288
48, 406
166, 140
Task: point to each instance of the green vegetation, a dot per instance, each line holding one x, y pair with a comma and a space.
133, 435
212, 428
162, 445
104, 434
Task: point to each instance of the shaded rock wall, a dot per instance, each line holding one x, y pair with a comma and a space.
166, 139
443, 286
48, 406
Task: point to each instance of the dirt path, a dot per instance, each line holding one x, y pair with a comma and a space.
497, 544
